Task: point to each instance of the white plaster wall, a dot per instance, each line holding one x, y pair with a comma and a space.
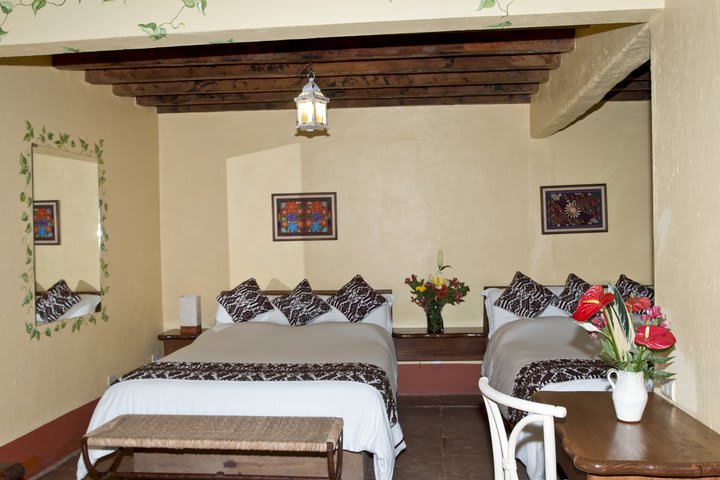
686, 152
409, 181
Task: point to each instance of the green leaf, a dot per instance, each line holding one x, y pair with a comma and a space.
83, 144
70, 50
57, 328
24, 217
50, 136
6, 7
486, 4
29, 327
29, 251
190, 3
22, 196
154, 31
35, 335
506, 23
202, 5
37, 5
28, 228
48, 332
28, 297
25, 277
2, 33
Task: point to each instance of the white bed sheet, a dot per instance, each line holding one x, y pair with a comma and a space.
528, 340
367, 427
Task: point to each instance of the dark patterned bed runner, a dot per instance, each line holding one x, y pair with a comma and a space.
535, 375
273, 372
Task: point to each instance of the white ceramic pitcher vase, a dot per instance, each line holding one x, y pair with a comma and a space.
629, 394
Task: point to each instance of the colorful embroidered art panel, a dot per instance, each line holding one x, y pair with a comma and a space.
574, 208
46, 222
304, 216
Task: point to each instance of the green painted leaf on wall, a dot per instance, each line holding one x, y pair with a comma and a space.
486, 4
153, 30
6, 7
37, 5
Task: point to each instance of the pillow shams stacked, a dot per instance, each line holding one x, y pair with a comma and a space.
301, 305
525, 297
575, 287
55, 301
245, 301
356, 299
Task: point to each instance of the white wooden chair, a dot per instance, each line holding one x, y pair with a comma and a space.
503, 446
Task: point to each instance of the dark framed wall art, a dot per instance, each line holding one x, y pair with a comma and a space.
46, 222
304, 216
574, 208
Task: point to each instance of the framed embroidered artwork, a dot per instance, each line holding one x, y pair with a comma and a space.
574, 208
46, 222
304, 216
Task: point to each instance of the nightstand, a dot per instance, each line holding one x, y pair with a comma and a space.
174, 340
457, 343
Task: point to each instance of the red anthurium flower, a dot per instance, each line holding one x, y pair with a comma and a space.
592, 302
654, 337
635, 304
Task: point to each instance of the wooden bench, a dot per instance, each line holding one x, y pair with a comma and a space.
300, 435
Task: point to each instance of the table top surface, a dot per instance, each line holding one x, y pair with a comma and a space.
666, 442
450, 332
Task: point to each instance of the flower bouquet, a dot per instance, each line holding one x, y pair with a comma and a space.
433, 294
635, 339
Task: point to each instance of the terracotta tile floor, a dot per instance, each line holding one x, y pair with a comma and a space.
447, 439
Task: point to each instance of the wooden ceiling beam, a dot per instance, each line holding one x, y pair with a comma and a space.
375, 93
625, 96
405, 66
346, 48
329, 84
395, 102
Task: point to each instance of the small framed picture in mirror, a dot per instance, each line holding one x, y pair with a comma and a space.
46, 222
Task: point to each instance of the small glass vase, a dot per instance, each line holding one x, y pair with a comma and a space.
629, 394
433, 313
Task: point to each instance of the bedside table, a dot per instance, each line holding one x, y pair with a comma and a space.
174, 340
457, 343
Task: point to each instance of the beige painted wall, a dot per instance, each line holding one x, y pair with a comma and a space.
47, 378
409, 181
114, 25
73, 181
686, 147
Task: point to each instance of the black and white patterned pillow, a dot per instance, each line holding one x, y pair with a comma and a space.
356, 299
525, 297
627, 287
301, 305
55, 301
568, 299
245, 301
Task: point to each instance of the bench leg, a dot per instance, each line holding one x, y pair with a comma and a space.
91, 468
335, 468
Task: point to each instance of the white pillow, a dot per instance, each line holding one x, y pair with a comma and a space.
497, 317
334, 315
272, 316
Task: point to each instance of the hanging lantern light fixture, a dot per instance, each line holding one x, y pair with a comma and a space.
311, 107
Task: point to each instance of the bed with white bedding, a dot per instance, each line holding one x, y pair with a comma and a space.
516, 343
369, 423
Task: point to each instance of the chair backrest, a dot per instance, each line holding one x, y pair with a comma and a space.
503, 446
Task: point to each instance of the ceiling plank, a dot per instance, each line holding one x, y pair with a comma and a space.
280, 70
441, 44
375, 93
396, 102
331, 83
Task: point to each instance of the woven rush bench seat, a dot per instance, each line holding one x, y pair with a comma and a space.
306, 435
